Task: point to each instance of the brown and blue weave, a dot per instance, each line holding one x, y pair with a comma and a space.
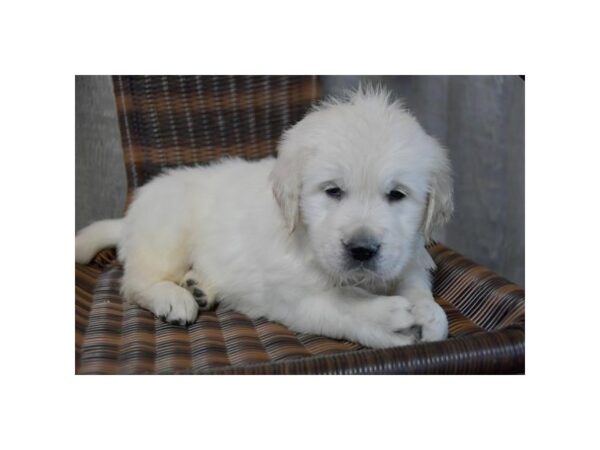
486, 315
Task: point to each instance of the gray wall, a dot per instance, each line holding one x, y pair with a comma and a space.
100, 183
480, 119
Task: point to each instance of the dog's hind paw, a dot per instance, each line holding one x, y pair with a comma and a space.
203, 295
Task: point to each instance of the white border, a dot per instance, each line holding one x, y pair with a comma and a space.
46, 43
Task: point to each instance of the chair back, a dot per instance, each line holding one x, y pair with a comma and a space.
170, 121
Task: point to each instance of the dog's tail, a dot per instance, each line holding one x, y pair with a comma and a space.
95, 237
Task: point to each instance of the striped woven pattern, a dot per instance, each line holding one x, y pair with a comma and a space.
486, 315
170, 121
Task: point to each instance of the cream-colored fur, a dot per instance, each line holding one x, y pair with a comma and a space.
268, 238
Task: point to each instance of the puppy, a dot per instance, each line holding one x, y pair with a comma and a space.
327, 239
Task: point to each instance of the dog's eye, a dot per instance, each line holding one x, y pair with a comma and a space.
334, 192
395, 195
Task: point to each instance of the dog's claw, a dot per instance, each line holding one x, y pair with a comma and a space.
415, 331
200, 297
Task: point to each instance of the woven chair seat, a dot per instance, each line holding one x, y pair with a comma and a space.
173, 121
486, 325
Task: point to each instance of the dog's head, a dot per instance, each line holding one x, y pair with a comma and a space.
365, 181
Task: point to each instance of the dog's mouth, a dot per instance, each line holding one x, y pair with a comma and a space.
362, 270
361, 267
363, 277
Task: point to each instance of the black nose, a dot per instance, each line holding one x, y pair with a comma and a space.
362, 250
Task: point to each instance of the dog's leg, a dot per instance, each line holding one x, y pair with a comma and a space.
202, 290
150, 284
416, 287
353, 314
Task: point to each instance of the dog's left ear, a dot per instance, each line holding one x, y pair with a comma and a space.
440, 203
286, 179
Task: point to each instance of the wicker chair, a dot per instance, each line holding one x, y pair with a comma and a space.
169, 121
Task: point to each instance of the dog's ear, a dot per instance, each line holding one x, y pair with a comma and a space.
440, 203
286, 179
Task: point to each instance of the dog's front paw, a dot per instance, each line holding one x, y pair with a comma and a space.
432, 318
387, 322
